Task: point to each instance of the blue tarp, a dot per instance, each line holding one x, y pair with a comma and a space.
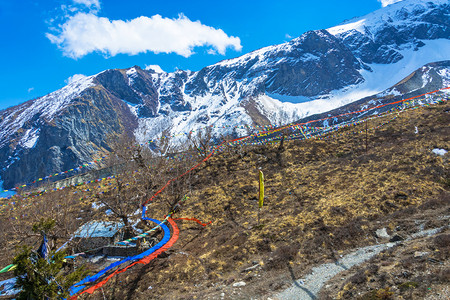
89, 279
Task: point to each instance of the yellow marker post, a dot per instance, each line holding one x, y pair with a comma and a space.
261, 189
261, 192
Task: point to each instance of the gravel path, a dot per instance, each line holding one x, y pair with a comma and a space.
309, 287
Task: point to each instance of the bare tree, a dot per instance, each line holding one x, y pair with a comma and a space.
121, 202
201, 142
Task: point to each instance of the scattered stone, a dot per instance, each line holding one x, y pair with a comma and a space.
420, 254
406, 274
382, 233
396, 238
239, 284
434, 260
276, 286
250, 268
440, 152
222, 295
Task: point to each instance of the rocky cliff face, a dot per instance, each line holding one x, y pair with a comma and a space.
44, 145
314, 73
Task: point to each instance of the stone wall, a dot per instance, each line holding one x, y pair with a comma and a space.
121, 250
86, 244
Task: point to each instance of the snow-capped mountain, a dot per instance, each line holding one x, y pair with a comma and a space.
314, 73
429, 78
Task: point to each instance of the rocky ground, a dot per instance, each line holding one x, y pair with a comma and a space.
410, 266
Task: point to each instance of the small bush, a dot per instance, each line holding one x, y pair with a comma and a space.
407, 285
442, 241
381, 294
372, 270
263, 245
282, 256
444, 275
358, 278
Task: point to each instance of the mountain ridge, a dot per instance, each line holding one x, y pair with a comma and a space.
314, 73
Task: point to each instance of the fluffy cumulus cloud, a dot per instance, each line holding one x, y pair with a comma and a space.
74, 78
84, 33
385, 3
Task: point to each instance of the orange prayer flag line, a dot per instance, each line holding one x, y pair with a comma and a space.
261, 189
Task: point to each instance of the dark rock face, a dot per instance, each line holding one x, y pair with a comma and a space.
426, 79
311, 65
318, 64
72, 138
137, 88
171, 92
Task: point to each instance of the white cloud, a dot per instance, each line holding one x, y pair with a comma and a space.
385, 3
88, 3
74, 78
288, 36
84, 33
30, 89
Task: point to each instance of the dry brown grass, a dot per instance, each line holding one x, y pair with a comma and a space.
323, 197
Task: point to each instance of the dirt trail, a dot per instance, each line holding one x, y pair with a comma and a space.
310, 286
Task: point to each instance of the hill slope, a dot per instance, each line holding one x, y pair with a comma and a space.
324, 198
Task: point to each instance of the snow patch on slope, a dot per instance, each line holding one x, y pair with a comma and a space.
290, 99
54, 102
357, 25
131, 74
155, 68
445, 75
258, 55
384, 76
30, 138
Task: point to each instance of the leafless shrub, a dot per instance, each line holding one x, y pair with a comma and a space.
201, 142
282, 256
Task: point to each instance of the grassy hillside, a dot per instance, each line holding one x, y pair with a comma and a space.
324, 197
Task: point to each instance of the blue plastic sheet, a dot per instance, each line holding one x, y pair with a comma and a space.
89, 279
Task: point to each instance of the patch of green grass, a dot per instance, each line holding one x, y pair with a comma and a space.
407, 285
380, 294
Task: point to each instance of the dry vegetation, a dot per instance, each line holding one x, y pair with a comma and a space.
323, 198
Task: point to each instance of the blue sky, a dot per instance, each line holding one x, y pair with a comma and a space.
46, 42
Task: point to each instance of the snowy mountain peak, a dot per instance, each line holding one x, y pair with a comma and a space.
402, 13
